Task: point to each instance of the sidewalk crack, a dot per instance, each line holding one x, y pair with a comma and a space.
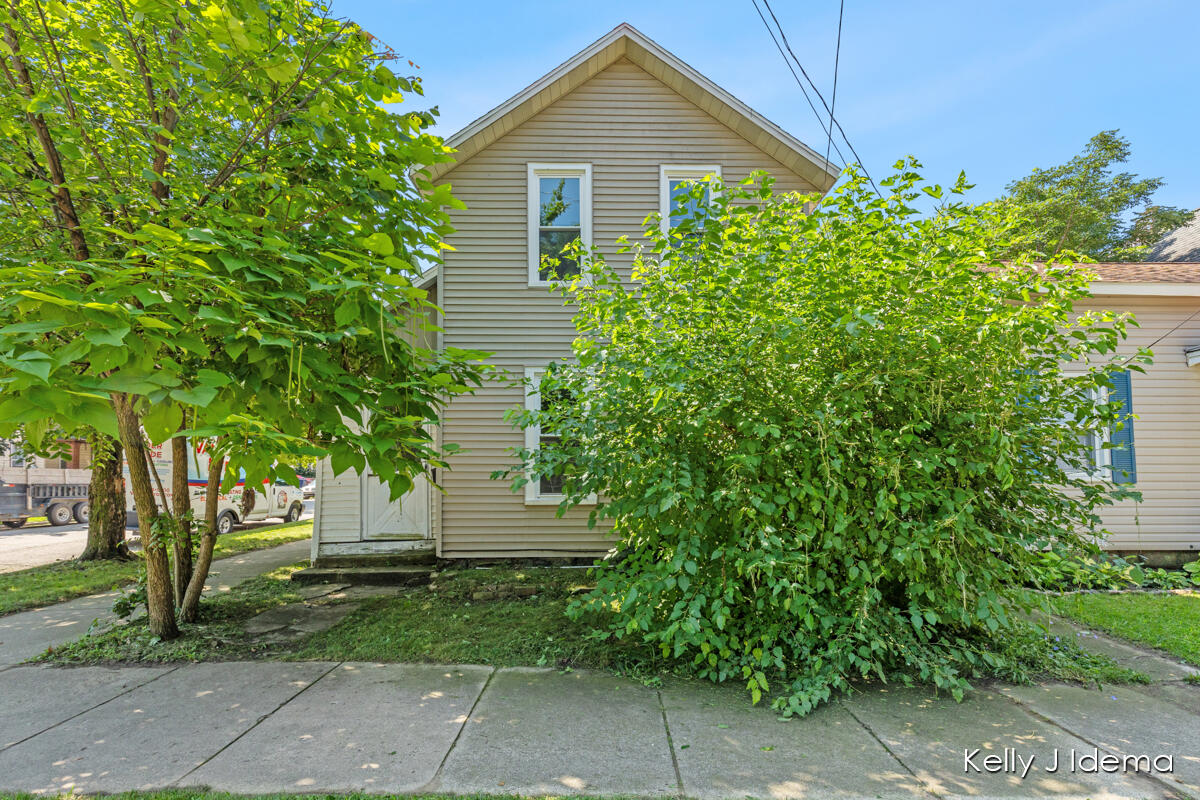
670, 743
924, 786
162, 674
437, 775
257, 722
1172, 790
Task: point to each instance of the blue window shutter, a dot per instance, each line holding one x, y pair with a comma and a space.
1124, 465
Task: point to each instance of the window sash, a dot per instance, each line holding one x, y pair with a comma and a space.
583, 231
1092, 444
669, 173
543, 490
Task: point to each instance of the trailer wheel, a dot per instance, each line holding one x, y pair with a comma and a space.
58, 514
14, 523
82, 512
225, 522
293, 513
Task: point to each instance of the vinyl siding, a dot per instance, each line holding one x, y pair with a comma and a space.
626, 123
1166, 400
339, 505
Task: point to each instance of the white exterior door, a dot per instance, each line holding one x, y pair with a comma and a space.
406, 518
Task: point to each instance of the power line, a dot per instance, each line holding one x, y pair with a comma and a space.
821, 97
837, 57
817, 114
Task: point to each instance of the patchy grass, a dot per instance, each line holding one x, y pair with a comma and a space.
446, 623
1169, 622
64, 580
218, 636
500, 617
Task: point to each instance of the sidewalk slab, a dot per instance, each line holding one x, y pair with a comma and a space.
33, 699
229, 572
1124, 721
727, 748
931, 735
157, 733
1158, 667
363, 727
539, 731
28, 633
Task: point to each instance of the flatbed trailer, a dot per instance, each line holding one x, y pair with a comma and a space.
59, 503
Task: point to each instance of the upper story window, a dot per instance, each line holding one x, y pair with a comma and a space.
560, 212
675, 182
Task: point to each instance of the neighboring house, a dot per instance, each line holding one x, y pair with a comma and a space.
1180, 245
589, 151
1165, 300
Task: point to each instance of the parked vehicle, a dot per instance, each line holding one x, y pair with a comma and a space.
59, 503
308, 486
274, 500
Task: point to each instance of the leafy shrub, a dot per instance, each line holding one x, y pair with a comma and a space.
830, 443
1059, 572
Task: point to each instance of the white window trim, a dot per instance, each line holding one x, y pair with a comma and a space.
551, 170
670, 172
533, 440
1100, 454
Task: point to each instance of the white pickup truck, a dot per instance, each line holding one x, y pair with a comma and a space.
274, 500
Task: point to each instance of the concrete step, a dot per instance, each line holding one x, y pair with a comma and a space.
399, 575
423, 556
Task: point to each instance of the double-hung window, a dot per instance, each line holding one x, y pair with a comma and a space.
542, 489
1107, 454
675, 185
1091, 450
560, 212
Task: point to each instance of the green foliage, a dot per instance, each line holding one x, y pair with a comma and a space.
209, 210
1059, 572
829, 442
1082, 206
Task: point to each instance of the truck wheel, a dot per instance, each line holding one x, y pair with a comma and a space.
14, 523
294, 513
82, 512
58, 514
225, 522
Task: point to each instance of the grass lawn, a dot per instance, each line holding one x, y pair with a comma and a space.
1170, 622
63, 580
500, 617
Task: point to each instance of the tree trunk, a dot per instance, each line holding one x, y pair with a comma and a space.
160, 601
181, 504
106, 503
190, 609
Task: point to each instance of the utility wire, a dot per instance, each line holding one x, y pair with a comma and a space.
821, 97
837, 57
817, 114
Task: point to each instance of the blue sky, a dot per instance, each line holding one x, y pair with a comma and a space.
991, 88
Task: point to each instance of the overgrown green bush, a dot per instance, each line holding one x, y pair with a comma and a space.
830, 442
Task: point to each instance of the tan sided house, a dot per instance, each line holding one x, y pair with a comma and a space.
607, 136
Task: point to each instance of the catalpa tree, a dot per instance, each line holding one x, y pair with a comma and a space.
211, 232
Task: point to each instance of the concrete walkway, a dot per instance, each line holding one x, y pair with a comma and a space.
29, 633
328, 727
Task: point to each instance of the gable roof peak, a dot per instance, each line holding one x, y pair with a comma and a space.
626, 41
